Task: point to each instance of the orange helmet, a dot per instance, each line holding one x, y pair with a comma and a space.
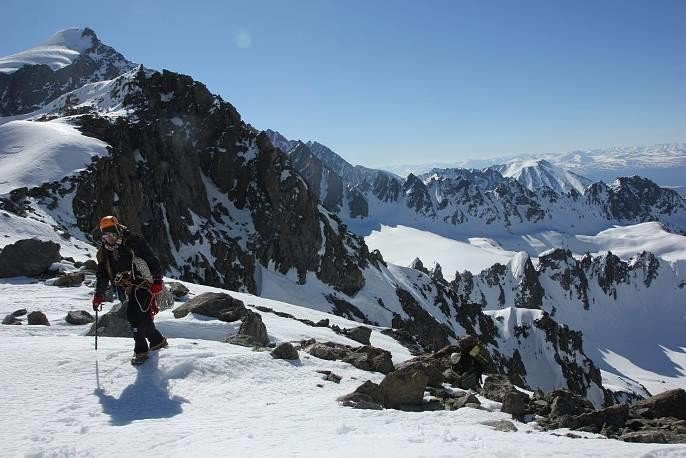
109, 224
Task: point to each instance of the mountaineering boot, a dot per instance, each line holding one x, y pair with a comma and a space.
162, 344
139, 358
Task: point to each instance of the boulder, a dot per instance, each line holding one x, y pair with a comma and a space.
215, 305
28, 257
616, 415
567, 403
38, 318
646, 437
179, 290
328, 350
20, 312
69, 279
366, 396
496, 387
370, 358
90, 265
432, 368
468, 381
243, 341
285, 351
323, 323
539, 407
359, 334
668, 404
11, 319
79, 317
404, 386
252, 325
113, 323
252, 332
515, 403
466, 400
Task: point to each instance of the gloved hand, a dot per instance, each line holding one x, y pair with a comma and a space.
98, 299
157, 285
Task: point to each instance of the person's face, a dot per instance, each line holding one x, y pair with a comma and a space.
109, 238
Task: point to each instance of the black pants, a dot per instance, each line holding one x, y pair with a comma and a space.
142, 326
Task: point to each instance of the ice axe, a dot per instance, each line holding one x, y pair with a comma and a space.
96, 326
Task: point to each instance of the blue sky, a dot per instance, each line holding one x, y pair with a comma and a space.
389, 82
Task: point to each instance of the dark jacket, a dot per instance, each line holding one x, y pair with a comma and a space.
110, 263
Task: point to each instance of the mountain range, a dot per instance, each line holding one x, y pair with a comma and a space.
86, 133
665, 164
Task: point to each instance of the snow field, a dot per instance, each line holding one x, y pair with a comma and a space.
204, 397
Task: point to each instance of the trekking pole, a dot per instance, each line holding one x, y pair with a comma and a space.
96, 330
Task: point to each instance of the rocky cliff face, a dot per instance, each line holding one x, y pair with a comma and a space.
213, 196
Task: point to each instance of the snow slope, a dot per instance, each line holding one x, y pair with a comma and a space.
33, 153
204, 397
401, 245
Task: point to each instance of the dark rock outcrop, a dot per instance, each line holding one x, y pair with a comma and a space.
69, 279
113, 323
252, 333
671, 403
404, 387
370, 358
28, 257
79, 317
515, 403
367, 396
179, 290
285, 350
37, 318
359, 334
496, 387
216, 305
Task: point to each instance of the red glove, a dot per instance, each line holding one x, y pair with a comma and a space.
157, 285
98, 299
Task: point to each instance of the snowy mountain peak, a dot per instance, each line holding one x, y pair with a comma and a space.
76, 39
68, 60
57, 52
536, 173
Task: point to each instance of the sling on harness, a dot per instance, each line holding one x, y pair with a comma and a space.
128, 282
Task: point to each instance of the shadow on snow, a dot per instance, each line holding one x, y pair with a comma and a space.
147, 397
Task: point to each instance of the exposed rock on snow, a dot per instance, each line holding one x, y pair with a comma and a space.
29, 257
79, 317
177, 289
404, 386
252, 333
216, 305
68, 279
113, 323
285, 350
359, 334
37, 318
